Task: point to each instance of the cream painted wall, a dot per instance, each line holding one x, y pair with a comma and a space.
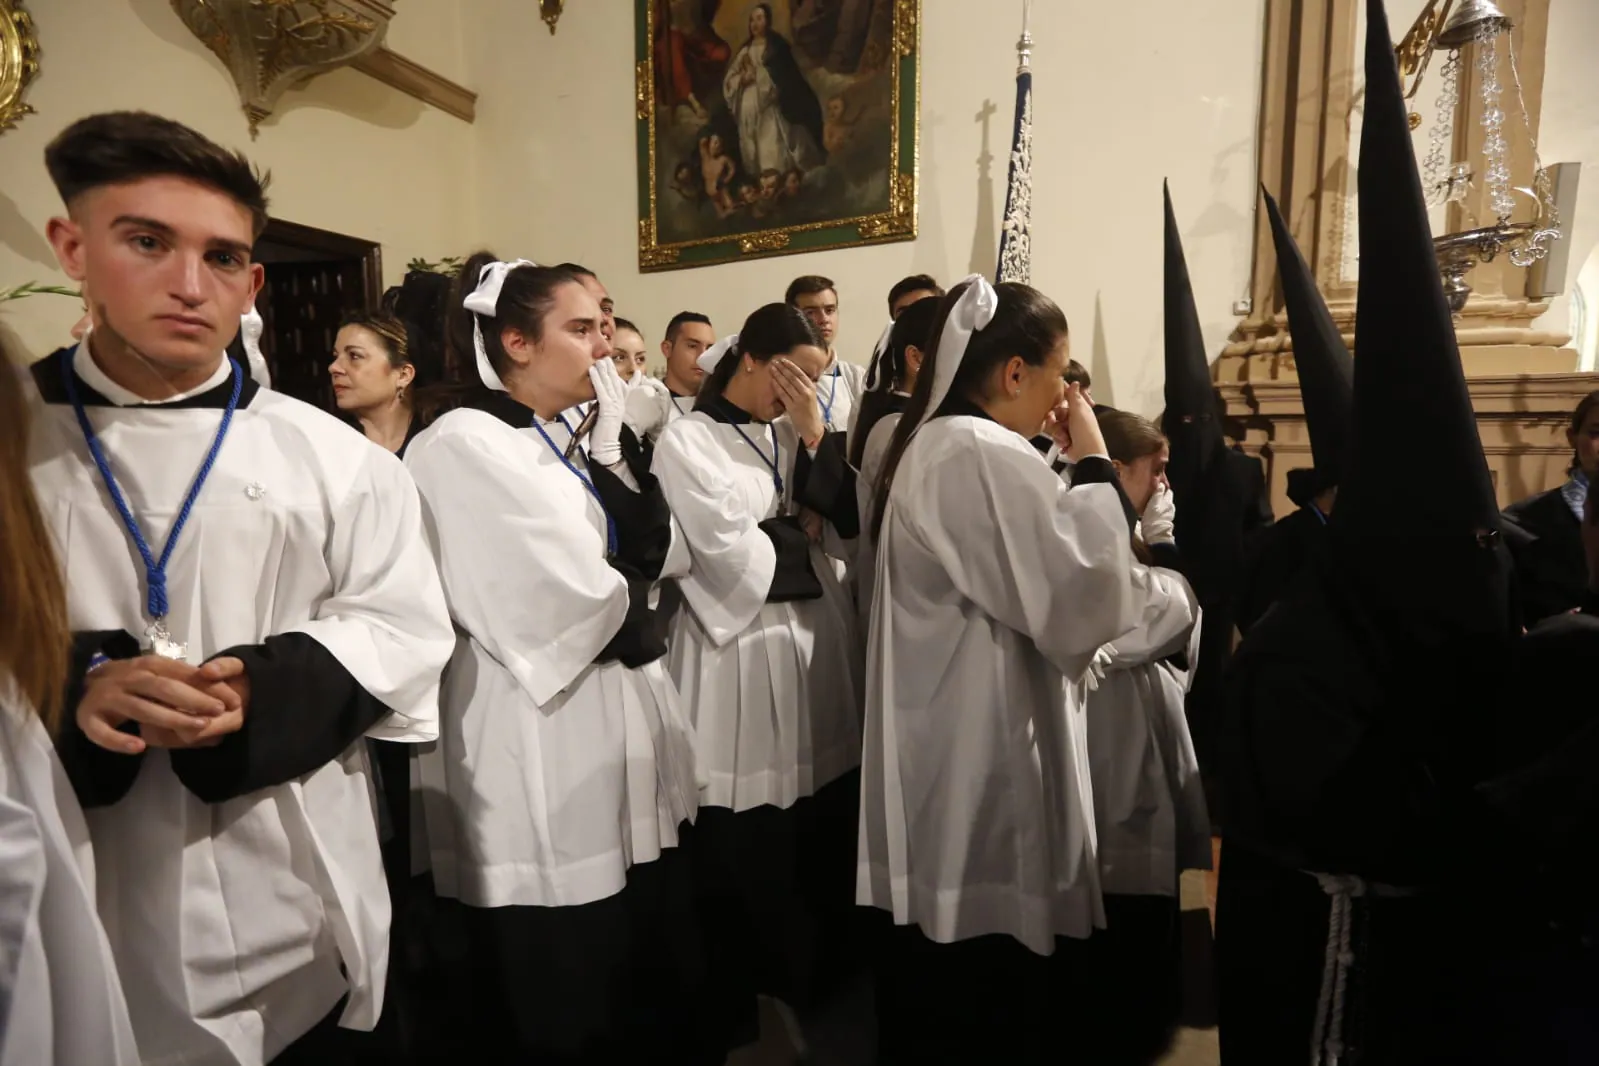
347, 153
1570, 132
1120, 102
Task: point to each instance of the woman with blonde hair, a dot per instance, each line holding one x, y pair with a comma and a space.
60, 1001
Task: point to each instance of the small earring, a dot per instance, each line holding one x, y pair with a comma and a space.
1016, 394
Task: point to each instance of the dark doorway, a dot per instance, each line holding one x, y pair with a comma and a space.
314, 278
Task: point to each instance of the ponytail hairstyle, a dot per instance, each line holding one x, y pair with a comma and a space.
890, 369
1129, 438
1026, 323
769, 332
35, 641
526, 297
420, 303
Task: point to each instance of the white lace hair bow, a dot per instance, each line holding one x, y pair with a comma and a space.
485, 300
717, 352
972, 312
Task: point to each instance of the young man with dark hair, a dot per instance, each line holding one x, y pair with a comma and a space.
907, 291
654, 405
250, 594
842, 384
838, 391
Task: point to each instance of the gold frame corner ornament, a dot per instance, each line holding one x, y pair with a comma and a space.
550, 12
19, 62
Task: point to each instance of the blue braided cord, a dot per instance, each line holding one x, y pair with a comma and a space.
155, 571
610, 523
777, 478
832, 394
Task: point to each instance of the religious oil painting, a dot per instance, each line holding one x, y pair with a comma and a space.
772, 128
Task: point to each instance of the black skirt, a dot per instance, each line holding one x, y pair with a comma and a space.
618, 980
776, 894
1134, 998
984, 1000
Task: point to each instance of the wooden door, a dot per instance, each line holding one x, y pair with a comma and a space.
301, 307
314, 278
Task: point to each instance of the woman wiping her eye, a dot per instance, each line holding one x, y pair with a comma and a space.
766, 659
996, 586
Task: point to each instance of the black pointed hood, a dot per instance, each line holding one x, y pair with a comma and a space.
1326, 372
1408, 376
1191, 421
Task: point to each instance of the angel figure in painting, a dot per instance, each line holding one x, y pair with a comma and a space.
779, 117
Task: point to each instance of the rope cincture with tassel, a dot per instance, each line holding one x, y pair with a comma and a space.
1328, 1043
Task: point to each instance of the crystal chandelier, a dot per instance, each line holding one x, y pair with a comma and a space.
1451, 25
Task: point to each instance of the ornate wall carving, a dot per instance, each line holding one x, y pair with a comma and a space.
271, 45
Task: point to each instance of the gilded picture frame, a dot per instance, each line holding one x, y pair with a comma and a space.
769, 129
19, 62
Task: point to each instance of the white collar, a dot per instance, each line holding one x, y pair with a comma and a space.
87, 369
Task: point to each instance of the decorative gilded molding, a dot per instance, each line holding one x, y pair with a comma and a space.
905, 27
270, 45
773, 241
550, 12
650, 255
19, 62
901, 217
413, 79
643, 91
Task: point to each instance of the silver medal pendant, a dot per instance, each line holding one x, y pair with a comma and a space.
162, 644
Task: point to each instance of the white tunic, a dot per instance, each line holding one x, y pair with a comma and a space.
995, 587
772, 687
1149, 807
651, 407
231, 922
872, 457
552, 775
60, 1000
839, 392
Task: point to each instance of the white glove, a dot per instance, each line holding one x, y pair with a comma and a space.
1096, 669
610, 398
646, 408
1160, 517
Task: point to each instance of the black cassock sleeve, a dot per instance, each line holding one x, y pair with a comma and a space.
305, 710
643, 538
99, 777
826, 484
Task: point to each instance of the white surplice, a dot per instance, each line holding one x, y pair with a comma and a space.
238, 926
60, 1001
839, 391
872, 457
772, 687
552, 775
996, 585
1149, 806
